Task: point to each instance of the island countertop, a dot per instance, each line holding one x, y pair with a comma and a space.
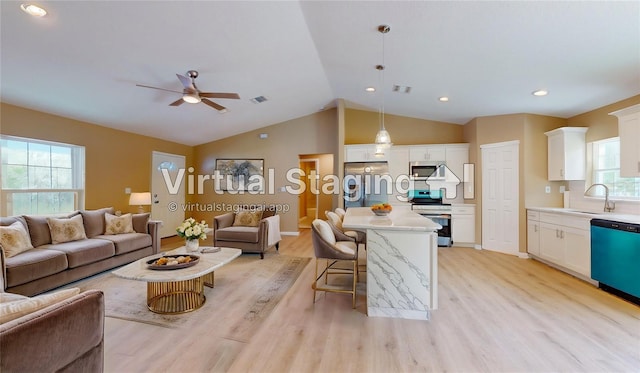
364, 218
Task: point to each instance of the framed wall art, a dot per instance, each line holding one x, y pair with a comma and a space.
237, 173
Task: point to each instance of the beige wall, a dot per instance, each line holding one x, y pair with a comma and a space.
310, 135
115, 159
361, 128
601, 124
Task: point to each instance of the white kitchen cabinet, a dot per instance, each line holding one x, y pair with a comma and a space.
399, 170
629, 133
566, 153
533, 233
364, 153
430, 153
564, 240
463, 224
456, 155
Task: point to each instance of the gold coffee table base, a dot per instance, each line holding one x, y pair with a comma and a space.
176, 297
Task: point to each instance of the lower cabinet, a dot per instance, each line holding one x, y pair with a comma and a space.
463, 224
561, 239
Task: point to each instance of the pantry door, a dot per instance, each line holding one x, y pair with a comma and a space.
167, 196
500, 197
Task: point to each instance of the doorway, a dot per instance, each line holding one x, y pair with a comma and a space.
308, 201
167, 201
500, 197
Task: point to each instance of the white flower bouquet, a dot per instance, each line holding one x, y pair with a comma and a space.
190, 229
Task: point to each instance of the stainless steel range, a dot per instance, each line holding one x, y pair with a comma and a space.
429, 204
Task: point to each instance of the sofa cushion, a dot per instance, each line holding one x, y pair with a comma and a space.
140, 222
85, 251
14, 239
240, 234
38, 230
247, 218
15, 309
128, 242
6, 221
118, 224
66, 230
93, 220
34, 264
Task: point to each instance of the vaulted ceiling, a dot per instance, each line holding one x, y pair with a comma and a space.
84, 59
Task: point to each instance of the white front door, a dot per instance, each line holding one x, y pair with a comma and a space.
167, 196
500, 197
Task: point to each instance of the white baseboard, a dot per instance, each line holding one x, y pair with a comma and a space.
290, 233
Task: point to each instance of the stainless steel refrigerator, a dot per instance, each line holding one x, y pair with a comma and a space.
366, 183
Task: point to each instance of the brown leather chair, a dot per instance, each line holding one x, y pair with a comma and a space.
333, 253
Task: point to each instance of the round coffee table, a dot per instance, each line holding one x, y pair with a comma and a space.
179, 290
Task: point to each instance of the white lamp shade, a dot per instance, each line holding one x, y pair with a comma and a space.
139, 199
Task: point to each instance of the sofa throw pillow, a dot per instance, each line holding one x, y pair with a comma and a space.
93, 220
38, 230
17, 308
140, 222
14, 239
247, 219
118, 224
66, 230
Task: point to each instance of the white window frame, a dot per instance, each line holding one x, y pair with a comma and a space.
593, 171
78, 179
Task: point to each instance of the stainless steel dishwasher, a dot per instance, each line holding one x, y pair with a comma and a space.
615, 257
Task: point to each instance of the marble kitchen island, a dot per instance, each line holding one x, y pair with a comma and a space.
402, 262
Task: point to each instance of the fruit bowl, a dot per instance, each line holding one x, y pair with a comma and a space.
381, 209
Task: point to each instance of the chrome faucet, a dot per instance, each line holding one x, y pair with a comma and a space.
608, 205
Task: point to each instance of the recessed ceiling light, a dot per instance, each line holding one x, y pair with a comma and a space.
540, 92
33, 10
370, 89
443, 99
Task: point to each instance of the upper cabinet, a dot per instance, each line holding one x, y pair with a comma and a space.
364, 153
456, 156
566, 153
629, 133
432, 153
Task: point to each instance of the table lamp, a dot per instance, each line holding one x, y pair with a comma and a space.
140, 199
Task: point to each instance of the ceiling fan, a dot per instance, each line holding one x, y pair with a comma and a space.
191, 94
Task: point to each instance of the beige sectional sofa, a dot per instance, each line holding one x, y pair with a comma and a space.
49, 265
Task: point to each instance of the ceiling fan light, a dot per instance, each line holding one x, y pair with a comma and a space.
191, 98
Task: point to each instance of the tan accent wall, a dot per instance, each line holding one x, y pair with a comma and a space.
310, 135
601, 124
114, 159
361, 128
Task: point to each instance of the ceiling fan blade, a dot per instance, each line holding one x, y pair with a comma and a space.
162, 89
219, 95
177, 102
214, 105
187, 83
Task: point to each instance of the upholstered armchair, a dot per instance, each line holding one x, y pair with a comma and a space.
329, 254
344, 235
250, 231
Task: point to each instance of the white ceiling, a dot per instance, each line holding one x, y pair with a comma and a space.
84, 59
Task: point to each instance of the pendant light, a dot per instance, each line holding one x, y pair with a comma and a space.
383, 140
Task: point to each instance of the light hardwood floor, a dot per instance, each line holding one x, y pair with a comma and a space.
497, 313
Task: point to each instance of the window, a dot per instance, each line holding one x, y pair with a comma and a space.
606, 170
40, 177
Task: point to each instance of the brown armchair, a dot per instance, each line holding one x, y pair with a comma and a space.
250, 239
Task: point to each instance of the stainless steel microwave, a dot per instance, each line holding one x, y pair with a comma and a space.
425, 170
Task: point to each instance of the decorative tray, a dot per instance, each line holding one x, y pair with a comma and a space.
182, 261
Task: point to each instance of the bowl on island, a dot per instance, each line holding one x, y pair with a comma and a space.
381, 209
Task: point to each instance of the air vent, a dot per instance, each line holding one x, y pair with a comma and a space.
259, 99
401, 88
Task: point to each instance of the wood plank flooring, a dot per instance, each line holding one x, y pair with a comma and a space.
497, 313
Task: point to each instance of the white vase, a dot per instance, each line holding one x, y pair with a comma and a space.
192, 245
